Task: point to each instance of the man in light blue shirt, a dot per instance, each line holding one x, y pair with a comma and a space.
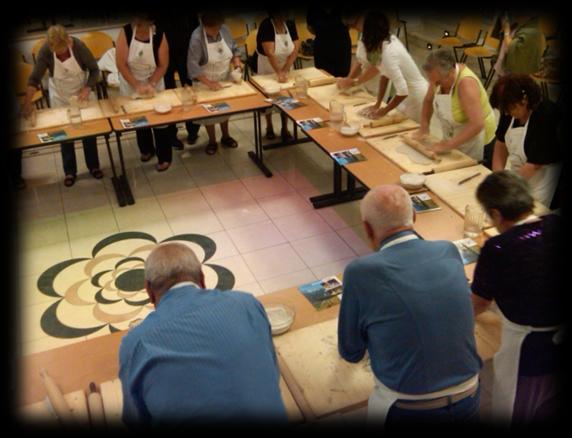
202, 356
409, 305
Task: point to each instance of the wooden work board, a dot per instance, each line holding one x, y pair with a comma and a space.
410, 160
54, 117
326, 93
230, 90
314, 76
122, 105
42, 412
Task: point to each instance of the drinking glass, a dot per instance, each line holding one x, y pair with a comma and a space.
474, 221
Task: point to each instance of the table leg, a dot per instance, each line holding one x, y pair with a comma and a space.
114, 179
257, 155
339, 196
123, 177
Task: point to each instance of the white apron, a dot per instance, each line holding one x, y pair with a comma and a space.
67, 81
283, 47
506, 360
141, 63
543, 182
217, 69
442, 105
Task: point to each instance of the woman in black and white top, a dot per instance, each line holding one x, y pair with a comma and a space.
526, 136
277, 46
142, 60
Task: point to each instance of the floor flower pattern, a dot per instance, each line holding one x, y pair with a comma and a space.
105, 291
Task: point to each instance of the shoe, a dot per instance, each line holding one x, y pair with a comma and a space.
270, 134
178, 145
192, 139
146, 157
96, 173
161, 167
69, 180
211, 148
229, 142
286, 136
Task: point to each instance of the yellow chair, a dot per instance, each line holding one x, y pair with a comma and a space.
23, 72
36, 49
468, 32
489, 50
98, 43
238, 30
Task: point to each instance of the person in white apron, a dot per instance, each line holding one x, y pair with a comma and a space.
138, 45
446, 76
67, 80
511, 153
220, 57
386, 301
504, 258
279, 55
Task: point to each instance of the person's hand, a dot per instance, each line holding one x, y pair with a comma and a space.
239, 65
214, 85
440, 146
84, 94
144, 88
375, 112
420, 134
344, 83
282, 77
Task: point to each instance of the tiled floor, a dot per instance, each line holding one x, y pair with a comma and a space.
265, 230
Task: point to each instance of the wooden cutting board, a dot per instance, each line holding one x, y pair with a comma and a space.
316, 370
42, 412
314, 76
52, 117
410, 160
133, 106
230, 91
326, 93
367, 132
112, 397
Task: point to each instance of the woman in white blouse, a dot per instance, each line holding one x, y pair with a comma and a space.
395, 65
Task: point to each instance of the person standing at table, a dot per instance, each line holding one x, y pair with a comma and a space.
212, 52
527, 134
178, 28
409, 305
520, 270
142, 54
332, 45
73, 71
277, 46
395, 65
461, 104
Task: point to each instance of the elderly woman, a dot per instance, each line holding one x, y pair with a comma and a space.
142, 59
277, 46
461, 104
212, 52
526, 137
395, 65
73, 71
518, 269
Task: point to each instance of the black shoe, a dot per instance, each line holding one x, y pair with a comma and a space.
229, 142
178, 145
192, 139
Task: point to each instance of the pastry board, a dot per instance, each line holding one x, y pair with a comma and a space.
325, 93
52, 117
41, 411
139, 105
314, 76
326, 381
112, 397
230, 90
367, 132
413, 161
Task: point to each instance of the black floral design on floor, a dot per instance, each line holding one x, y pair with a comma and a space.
107, 290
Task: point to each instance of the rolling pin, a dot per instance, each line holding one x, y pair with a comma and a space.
387, 120
321, 81
57, 400
465, 162
420, 147
95, 405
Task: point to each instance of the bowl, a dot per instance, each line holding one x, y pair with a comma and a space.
272, 90
348, 131
280, 316
412, 181
236, 76
162, 108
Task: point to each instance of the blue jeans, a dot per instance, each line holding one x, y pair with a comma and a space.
465, 411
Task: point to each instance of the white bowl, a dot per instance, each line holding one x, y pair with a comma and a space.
280, 316
162, 108
412, 181
272, 90
348, 131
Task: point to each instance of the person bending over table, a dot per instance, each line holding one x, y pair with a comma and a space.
409, 305
203, 356
521, 271
73, 71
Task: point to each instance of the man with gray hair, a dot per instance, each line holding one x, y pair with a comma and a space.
202, 355
408, 304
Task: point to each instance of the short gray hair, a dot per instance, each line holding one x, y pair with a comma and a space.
386, 207
507, 192
441, 59
171, 262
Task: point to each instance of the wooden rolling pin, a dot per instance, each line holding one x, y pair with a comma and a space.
321, 81
420, 147
465, 162
95, 405
387, 120
57, 400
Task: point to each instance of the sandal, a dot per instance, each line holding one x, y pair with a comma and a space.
96, 173
286, 136
161, 167
270, 134
229, 142
146, 157
69, 180
211, 148
192, 140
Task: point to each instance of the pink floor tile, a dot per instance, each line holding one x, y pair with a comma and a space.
322, 249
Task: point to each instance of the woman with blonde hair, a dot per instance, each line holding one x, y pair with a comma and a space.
73, 71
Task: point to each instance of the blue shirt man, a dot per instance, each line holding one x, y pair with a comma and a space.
409, 305
202, 356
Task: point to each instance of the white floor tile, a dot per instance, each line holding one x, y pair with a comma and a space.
322, 249
302, 225
256, 236
272, 262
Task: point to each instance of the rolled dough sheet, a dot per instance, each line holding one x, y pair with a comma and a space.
414, 156
326, 93
139, 105
52, 117
314, 76
230, 91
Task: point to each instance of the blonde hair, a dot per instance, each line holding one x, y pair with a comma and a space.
57, 38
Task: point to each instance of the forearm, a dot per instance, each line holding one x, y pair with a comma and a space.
158, 74
355, 70
480, 305
394, 102
381, 90
127, 75
273, 60
426, 114
500, 155
528, 170
366, 75
471, 129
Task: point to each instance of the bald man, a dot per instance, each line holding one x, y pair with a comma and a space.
203, 356
408, 304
